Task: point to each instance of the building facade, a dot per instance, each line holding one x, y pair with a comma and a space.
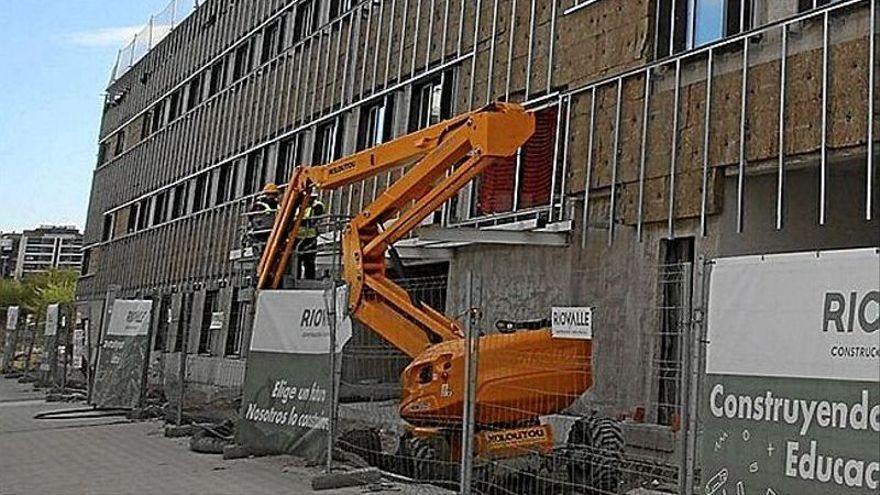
39, 250
668, 132
8, 254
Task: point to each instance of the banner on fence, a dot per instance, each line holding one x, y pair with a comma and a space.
51, 332
119, 377
9, 342
79, 346
286, 400
791, 402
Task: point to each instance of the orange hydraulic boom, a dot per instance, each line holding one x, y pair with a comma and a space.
521, 375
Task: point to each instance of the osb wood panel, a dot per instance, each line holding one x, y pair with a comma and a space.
847, 120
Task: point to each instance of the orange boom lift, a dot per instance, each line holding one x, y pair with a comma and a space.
521, 375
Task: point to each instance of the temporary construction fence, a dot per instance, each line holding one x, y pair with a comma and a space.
547, 415
48, 344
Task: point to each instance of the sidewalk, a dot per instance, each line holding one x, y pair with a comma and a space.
117, 456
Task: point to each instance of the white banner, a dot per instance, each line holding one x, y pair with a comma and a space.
51, 320
11, 317
572, 323
130, 318
803, 315
79, 345
295, 321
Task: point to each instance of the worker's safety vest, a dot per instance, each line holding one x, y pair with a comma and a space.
309, 230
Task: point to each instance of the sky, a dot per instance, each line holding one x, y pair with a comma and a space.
57, 56
55, 62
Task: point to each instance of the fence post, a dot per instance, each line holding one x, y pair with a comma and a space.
471, 350
331, 319
150, 34
694, 362
131, 53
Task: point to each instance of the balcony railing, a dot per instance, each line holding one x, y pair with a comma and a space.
653, 136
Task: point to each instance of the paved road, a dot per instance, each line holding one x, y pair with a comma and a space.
115, 456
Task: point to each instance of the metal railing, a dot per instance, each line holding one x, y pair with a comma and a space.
157, 28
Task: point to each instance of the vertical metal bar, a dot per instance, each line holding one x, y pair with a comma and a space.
517, 172
780, 171
325, 67
532, 8
430, 34
646, 103
672, 27
559, 109
349, 43
317, 71
707, 124
305, 80
366, 46
740, 179
470, 374
510, 49
336, 63
687, 400
824, 152
479, 10
491, 71
692, 24
445, 38
415, 48
673, 159
612, 210
564, 173
377, 43
332, 318
461, 11
403, 40
391, 31
551, 47
869, 167
591, 130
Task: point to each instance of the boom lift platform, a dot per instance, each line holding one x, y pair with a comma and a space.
439, 160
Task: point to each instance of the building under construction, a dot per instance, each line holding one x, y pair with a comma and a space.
668, 132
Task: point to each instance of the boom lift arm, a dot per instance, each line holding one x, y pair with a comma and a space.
442, 158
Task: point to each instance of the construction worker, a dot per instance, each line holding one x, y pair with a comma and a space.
308, 238
263, 211
268, 199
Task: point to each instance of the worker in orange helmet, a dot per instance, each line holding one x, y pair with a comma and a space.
268, 199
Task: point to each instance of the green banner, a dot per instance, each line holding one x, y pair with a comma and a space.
286, 401
791, 398
120, 375
790, 436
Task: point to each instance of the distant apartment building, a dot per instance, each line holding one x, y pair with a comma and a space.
8, 253
39, 250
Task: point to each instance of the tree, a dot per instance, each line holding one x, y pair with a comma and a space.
34, 294
50, 287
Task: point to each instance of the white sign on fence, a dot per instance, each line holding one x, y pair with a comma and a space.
803, 315
51, 320
11, 317
296, 322
130, 318
572, 323
79, 344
